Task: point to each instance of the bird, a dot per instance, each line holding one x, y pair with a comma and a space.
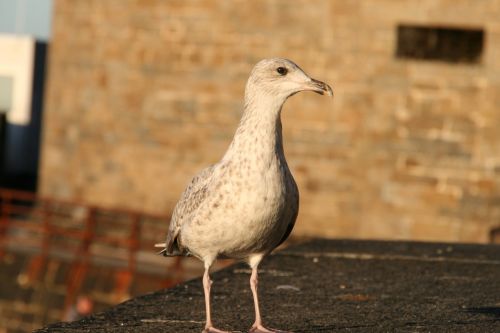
245, 205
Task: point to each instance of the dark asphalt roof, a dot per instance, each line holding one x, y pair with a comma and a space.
331, 286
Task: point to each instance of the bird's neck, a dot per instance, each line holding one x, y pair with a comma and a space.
258, 137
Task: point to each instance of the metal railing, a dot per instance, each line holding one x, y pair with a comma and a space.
83, 235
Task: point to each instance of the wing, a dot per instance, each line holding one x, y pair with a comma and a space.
291, 224
194, 194
294, 213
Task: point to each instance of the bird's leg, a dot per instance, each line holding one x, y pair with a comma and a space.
257, 326
206, 288
209, 327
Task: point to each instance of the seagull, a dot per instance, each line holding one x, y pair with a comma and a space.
245, 205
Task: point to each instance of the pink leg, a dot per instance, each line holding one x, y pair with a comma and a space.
257, 326
209, 327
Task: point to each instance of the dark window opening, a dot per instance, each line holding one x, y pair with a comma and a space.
454, 45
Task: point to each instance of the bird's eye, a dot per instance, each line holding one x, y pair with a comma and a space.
281, 70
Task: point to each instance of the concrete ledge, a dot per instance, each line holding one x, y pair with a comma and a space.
331, 286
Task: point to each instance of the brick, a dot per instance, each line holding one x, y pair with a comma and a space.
143, 94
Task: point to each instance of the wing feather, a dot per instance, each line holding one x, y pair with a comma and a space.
192, 197
291, 223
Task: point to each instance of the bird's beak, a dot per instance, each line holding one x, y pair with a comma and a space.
319, 87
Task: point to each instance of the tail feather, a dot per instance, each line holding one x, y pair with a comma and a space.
173, 251
164, 250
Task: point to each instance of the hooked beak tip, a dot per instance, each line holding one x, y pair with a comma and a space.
321, 88
329, 91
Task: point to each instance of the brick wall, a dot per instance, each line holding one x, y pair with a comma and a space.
143, 94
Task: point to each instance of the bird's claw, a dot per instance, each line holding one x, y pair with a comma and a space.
212, 329
262, 329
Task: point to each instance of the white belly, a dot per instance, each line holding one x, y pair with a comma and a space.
249, 215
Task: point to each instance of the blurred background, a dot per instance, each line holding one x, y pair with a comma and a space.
108, 108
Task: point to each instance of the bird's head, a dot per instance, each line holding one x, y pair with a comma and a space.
281, 78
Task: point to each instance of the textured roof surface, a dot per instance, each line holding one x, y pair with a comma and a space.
331, 286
